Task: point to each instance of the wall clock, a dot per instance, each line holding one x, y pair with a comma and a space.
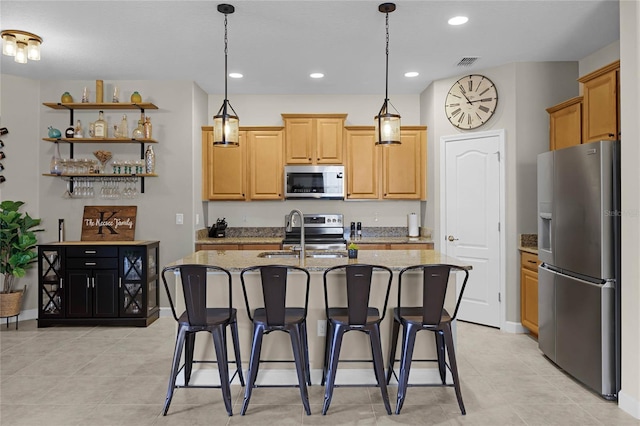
471, 101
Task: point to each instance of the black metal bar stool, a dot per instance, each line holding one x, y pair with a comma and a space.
199, 317
429, 315
275, 315
351, 285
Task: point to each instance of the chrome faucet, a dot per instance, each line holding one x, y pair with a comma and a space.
290, 227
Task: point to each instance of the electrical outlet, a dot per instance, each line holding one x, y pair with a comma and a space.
197, 219
322, 328
179, 219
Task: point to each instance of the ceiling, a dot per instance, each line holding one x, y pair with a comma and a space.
277, 44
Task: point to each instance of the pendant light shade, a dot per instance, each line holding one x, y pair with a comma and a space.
387, 123
226, 125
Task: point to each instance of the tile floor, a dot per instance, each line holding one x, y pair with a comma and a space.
118, 376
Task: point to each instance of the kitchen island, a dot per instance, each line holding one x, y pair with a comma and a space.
356, 345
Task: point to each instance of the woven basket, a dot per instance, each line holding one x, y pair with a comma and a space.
10, 303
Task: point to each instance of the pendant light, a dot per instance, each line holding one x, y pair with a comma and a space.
21, 45
387, 124
225, 125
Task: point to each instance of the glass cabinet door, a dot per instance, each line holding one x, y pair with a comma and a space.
51, 282
152, 278
133, 276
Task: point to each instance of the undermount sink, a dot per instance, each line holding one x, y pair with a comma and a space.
296, 255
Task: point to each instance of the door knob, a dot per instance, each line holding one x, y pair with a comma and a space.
451, 238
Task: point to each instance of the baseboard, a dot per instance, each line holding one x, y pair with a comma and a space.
288, 377
27, 314
629, 405
514, 327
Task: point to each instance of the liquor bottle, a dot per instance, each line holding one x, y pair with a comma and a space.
150, 160
138, 132
56, 164
123, 129
148, 129
100, 126
78, 131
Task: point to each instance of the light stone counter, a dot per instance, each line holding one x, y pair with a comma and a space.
355, 345
236, 260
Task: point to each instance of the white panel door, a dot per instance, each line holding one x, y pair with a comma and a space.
471, 222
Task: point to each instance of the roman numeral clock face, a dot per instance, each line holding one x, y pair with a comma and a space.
471, 101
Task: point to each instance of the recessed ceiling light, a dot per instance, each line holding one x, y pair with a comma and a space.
458, 20
316, 75
411, 74
235, 75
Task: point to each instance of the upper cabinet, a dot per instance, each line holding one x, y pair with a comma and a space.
601, 104
250, 171
314, 138
386, 172
565, 124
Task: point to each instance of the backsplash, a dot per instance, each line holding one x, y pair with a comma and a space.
270, 232
528, 240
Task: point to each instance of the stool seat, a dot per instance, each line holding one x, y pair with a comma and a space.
291, 316
214, 316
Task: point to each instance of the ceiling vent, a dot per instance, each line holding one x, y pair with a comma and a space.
468, 61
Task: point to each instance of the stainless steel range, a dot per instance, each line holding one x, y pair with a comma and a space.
322, 232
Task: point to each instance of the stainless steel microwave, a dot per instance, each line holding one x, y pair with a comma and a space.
326, 182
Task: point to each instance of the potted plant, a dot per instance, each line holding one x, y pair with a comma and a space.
352, 250
17, 253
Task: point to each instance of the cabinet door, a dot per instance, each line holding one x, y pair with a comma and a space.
105, 293
402, 167
529, 299
565, 125
265, 165
133, 297
601, 107
298, 140
78, 295
50, 283
363, 165
224, 169
329, 146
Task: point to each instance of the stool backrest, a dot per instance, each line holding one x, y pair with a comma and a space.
275, 285
357, 280
194, 288
435, 280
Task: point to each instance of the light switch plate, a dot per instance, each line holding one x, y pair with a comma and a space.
322, 328
179, 219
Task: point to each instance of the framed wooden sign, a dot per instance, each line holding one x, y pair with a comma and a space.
109, 223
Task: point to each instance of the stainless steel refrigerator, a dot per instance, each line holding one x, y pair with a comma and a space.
579, 277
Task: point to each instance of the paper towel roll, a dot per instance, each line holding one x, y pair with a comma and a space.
412, 224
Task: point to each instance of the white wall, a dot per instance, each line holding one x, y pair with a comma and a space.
19, 107
629, 397
265, 110
525, 90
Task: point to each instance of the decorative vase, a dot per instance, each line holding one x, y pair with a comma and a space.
353, 253
56, 163
136, 98
66, 98
150, 160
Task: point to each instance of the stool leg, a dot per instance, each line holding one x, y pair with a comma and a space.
392, 351
236, 349
409, 332
327, 344
220, 347
299, 358
448, 338
177, 352
304, 341
332, 364
378, 364
442, 366
188, 356
256, 346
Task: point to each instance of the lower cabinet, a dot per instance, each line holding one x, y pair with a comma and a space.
529, 291
238, 247
91, 284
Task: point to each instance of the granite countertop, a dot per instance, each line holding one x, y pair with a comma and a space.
99, 243
236, 260
528, 243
